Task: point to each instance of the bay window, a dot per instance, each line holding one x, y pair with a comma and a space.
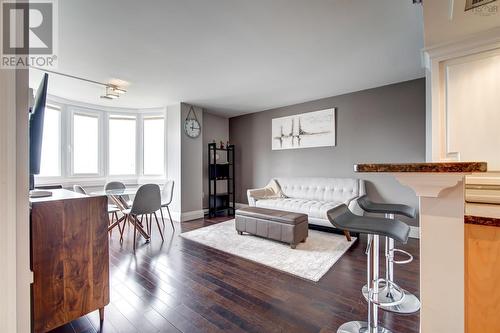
122, 144
153, 145
85, 144
51, 143
94, 144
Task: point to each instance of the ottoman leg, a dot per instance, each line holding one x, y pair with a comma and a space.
240, 232
304, 240
293, 246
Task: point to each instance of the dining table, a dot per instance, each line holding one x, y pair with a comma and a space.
116, 195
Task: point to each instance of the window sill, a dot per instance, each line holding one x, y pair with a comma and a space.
98, 181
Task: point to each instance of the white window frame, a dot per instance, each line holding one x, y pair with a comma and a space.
88, 113
136, 117
59, 108
62, 151
150, 115
68, 177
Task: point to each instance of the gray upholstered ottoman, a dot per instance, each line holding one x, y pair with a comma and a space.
282, 226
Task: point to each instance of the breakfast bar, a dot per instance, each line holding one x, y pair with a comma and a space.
440, 188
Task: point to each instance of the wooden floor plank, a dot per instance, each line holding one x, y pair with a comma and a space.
181, 286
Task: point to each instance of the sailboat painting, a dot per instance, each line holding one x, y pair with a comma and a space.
306, 130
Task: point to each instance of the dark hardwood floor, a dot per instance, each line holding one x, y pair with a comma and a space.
181, 286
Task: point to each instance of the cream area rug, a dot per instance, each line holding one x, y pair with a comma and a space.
310, 260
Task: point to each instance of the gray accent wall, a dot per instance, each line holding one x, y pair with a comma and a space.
191, 165
214, 128
384, 124
184, 164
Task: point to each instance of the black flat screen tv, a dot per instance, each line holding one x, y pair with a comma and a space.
36, 120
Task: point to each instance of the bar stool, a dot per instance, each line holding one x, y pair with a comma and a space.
411, 303
342, 218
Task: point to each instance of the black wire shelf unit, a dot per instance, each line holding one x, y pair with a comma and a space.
221, 198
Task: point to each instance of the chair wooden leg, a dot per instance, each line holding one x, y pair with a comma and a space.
159, 229
125, 219
119, 227
111, 219
170, 217
347, 235
135, 231
162, 219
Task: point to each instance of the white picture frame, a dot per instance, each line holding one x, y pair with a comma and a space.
305, 130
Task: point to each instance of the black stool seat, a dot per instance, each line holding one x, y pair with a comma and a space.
342, 218
383, 208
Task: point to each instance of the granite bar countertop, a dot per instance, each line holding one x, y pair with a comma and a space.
482, 220
438, 167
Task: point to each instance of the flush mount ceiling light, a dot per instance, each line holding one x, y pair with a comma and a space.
110, 94
118, 90
113, 92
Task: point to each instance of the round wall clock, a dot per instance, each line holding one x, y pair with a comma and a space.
192, 126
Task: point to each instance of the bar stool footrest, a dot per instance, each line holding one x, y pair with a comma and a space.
402, 262
388, 302
359, 327
409, 305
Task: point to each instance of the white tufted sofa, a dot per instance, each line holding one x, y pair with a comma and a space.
311, 196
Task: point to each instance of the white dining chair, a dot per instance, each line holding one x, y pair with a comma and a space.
147, 202
166, 199
119, 186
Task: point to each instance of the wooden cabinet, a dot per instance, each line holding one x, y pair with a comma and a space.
482, 279
69, 258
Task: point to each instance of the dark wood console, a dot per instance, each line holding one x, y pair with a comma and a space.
69, 258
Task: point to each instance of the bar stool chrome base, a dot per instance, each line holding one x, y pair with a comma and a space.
410, 303
359, 327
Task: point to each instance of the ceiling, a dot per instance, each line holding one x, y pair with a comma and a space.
234, 56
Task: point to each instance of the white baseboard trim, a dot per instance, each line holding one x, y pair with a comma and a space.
187, 216
193, 215
240, 205
176, 216
414, 231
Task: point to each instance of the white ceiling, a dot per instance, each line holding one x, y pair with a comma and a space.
234, 56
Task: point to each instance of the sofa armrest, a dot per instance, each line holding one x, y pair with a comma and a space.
254, 194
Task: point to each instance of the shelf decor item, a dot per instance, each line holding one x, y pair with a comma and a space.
221, 187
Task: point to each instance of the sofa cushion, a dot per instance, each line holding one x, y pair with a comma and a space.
313, 208
341, 190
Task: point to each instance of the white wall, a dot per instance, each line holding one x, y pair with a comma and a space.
473, 108
174, 156
446, 21
184, 164
15, 276
24, 274
451, 36
8, 201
